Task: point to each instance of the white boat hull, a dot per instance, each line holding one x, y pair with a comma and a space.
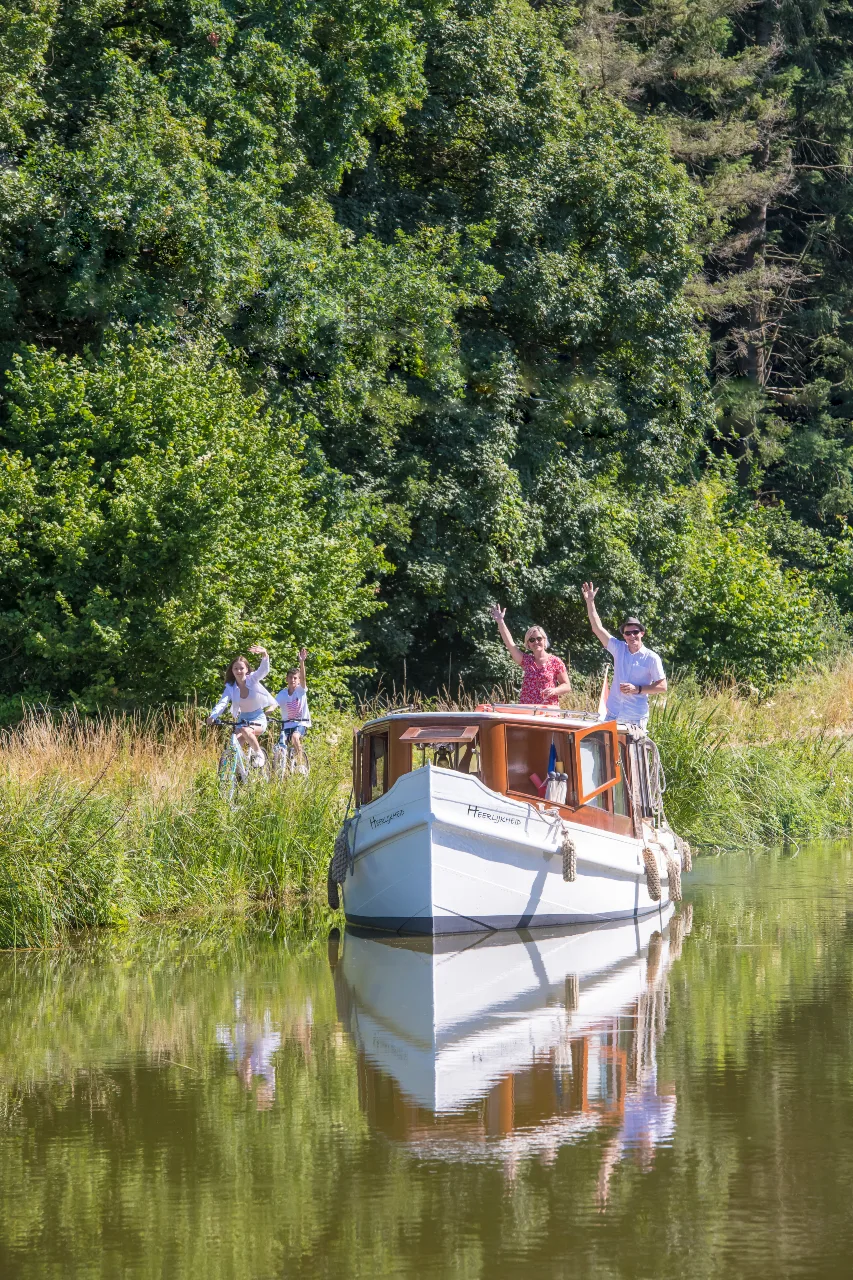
441, 853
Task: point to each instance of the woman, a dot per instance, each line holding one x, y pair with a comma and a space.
545, 676
248, 698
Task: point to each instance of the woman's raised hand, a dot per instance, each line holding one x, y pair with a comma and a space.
497, 612
257, 648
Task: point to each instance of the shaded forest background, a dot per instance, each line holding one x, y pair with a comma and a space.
334, 322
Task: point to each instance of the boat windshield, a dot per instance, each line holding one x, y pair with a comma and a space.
445, 747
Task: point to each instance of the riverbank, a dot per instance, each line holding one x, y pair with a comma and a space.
104, 822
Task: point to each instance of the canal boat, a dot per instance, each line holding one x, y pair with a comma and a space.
504, 817
516, 1043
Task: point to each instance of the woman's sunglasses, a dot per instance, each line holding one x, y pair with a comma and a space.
535, 639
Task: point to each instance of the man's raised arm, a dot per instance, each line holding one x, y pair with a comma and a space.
589, 592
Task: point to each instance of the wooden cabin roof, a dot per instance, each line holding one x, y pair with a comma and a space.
547, 717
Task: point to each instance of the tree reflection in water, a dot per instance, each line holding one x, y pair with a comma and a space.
440, 1115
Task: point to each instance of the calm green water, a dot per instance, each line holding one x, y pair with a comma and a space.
239, 1103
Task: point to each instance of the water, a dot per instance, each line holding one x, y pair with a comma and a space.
234, 1102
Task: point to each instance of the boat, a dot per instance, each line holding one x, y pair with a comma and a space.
504, 817
516, 1043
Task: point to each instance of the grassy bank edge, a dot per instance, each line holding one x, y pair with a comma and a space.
107, 821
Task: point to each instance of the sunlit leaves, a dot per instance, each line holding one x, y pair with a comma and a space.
155, 516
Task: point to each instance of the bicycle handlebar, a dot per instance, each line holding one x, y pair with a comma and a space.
235, 724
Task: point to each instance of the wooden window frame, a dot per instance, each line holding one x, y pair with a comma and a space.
366, 792
439, 735
612, 758
568, 763
357, 771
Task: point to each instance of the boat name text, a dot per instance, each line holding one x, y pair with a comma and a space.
389, 817
474, 811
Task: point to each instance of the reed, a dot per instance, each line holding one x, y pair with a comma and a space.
108, 820
742, 772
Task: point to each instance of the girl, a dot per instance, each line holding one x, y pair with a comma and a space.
248, 698
545, 676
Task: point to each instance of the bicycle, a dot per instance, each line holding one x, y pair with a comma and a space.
235, 768
285, 758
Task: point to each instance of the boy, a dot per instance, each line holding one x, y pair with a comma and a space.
293, 701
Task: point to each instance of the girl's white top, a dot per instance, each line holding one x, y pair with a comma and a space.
257, 696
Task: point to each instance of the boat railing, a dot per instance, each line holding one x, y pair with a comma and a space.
537, 709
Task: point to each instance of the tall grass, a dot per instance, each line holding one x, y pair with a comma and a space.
740, 772
105, 821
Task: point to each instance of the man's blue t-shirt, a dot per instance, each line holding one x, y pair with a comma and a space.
643, 667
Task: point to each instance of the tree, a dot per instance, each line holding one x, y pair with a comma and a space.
741, 613
580, 372
154, 518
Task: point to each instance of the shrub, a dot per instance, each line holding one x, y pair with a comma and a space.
154, 518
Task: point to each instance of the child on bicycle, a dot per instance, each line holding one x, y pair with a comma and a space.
296, 718
249, 700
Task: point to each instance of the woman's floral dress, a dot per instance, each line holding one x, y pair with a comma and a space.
537, 678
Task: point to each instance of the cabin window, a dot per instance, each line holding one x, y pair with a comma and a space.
528, 751
445, 747
593, 758
596, 764
377, 764
621, 799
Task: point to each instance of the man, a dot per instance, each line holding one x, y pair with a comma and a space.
638, 671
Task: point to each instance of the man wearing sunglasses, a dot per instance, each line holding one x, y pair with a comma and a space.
638, 671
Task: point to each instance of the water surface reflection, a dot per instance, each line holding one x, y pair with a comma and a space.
242, 1103
515, 1044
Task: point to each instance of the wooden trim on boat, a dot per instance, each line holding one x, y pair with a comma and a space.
356, 765
612, 756
488, 728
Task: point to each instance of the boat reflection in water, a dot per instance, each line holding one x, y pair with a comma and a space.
515, 1044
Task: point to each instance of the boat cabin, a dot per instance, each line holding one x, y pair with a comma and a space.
509, 748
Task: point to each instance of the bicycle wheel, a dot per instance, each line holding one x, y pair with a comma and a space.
227, 773
293, 762
261, 772
279, 762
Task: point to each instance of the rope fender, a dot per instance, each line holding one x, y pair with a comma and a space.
673, 874
342, 862
686, 854
652, 873
570, 857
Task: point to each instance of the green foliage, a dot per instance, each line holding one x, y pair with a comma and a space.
457, 277
742, 614
726, 790
170, 149
79, 854
583, 381
455, 251
154, 518
755, 99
